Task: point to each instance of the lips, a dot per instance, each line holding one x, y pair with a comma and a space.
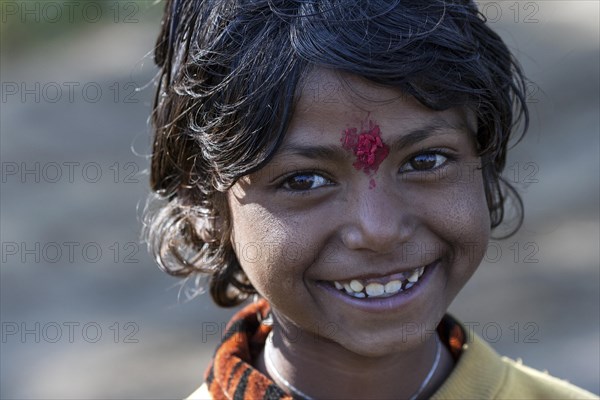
379, 287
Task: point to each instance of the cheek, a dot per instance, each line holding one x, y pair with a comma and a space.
459, 216
270, 250
469, 219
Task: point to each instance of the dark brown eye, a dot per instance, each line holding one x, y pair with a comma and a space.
304, 181
424, 162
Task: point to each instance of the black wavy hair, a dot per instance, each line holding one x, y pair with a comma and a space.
230, 71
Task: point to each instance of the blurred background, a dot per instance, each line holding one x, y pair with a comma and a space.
87, 314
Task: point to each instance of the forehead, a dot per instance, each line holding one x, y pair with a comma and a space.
328, 98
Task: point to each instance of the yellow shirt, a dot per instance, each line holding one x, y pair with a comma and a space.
481, 373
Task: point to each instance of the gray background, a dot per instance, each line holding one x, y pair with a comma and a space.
539, 303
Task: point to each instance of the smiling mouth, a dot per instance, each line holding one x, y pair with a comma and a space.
380, 287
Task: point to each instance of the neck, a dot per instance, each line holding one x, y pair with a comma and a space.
324, 369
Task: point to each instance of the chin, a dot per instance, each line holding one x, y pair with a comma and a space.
402, 340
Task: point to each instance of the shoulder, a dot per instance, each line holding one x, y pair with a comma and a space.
481, 373
201, 393
522, 381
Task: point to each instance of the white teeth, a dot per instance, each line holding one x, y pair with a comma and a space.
357, 288
393, 286
348, 288
375, 289
356, 285
414, 277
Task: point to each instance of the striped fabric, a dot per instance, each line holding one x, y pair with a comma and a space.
232, 376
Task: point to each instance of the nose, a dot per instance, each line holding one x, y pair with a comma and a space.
376, 220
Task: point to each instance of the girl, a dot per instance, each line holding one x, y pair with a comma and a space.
339, 161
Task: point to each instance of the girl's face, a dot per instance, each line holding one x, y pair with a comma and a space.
368, 187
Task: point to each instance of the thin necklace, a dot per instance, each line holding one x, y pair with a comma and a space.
436, 362
273, 371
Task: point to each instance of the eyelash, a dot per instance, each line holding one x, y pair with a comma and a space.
294, 174
448, 158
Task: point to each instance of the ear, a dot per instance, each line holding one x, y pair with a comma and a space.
209, 228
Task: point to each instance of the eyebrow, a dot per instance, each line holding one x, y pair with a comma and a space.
336, 152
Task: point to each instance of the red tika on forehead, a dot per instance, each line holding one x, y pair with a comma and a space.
367, 146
